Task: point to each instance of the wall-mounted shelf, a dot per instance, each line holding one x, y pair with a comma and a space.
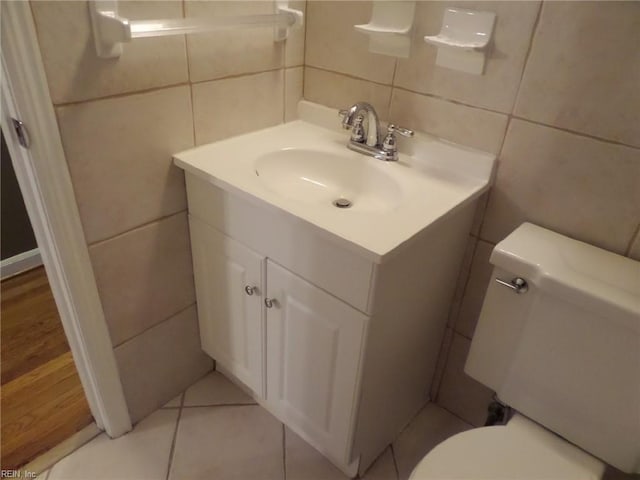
389, 27
110, 30
463, 39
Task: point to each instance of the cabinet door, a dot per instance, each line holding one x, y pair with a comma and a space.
314, 344
230, 318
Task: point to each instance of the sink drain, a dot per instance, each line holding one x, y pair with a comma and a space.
342, 203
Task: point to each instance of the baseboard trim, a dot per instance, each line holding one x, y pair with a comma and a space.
20, 263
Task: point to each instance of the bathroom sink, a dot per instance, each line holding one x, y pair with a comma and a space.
304, 169
323, 178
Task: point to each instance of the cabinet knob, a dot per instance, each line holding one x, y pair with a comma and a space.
250, 290
270, 302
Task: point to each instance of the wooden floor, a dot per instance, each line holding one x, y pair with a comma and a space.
41, 397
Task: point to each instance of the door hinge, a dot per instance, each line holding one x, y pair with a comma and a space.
21, 132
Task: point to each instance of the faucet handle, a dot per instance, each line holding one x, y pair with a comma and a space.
405, 132
357, 131
389, 144
345, 119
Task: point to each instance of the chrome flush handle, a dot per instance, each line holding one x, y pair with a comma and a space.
518, 285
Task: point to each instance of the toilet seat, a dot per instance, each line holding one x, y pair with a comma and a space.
521, 450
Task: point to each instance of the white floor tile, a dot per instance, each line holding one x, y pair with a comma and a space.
303, 462
215, 389
228, 443
174, 402
383, 468
142, 454
430, 427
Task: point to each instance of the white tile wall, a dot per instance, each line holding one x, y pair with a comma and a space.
144, 276
164, 360
293, 80
119, 156
497, 88
580, 187
338, 91
584, 70
333, 44
459, 393
458, 123
223, 108
74, 71
230, 52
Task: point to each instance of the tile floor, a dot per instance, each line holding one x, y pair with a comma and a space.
215, 431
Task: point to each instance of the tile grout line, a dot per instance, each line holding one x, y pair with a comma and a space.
455, 332
172, 451
348, 75
456, 415
483, 109
464, 292
393, 82
304, 40
304, 51
577, 133
284, 91
130, 93
284, 453
489, 192
193, 117
415, 416
137, 227
395, 462
534, 31
216, 405
635, 236
237, 75
445, 349
186, 52
171, 315
398, 87
143, 91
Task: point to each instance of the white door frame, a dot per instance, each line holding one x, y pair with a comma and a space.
46, 186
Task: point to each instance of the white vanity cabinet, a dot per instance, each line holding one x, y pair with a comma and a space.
314, 345
346, 352
228, 278
295, 346
332, 317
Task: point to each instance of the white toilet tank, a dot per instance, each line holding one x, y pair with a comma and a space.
567, 352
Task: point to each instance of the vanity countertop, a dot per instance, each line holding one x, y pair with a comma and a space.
299, 167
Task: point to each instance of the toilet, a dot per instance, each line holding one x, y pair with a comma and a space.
558, 340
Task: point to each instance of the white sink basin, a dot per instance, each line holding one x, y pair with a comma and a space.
302, 167
323, 178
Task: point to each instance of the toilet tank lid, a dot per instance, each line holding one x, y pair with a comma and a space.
573, 270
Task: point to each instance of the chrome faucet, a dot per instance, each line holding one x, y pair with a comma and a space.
353, 117
368, 141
